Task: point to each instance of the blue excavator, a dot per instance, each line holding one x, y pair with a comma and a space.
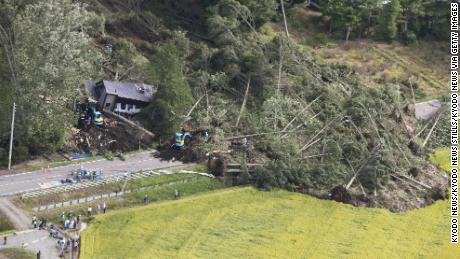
183, 138
96, 117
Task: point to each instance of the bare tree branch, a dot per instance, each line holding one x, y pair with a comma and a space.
243, 105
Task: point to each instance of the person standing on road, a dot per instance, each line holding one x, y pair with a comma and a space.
5, 240
34, 221
39, 254
89, 211
104, 207
62, 218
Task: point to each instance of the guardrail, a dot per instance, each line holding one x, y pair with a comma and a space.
108, 195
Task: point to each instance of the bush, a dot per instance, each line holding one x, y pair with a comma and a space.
321, 40
121, 156
409, 38
5, 224
109, 155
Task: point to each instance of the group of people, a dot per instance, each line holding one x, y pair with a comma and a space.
177, 195
100, 208
82, 173
40, 224
69, 221
64, 243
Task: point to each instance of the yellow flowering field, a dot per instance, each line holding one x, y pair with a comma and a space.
247, 223
441, 158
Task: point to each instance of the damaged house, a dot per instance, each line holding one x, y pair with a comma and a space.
120, 97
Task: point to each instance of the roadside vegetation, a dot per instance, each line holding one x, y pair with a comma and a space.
246, 223
16, 253
132, 184
156, 188
5, 223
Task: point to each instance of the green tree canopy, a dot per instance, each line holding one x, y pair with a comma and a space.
174, 96
49, 56
388, 26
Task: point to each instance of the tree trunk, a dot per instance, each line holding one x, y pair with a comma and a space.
280, 70
348, 34
6, 39
284, 18
244, 103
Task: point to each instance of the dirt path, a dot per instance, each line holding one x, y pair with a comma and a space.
16, 215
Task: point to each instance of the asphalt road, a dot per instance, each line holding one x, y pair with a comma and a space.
11, 184
34, 240
428, 109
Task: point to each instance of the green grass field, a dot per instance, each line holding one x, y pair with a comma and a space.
246, 223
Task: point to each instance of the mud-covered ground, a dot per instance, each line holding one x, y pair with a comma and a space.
114, 136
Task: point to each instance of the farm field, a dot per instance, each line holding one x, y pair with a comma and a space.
378, 64
247, 223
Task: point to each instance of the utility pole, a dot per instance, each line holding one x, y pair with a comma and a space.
11, 137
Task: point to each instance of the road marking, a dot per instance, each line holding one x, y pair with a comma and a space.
111, 171
56, 176
77, 164
44, 185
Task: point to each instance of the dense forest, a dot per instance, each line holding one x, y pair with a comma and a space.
328, 128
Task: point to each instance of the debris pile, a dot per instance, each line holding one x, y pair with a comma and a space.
191, 152
114, 136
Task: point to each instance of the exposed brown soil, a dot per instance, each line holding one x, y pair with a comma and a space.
398, 195
114, 136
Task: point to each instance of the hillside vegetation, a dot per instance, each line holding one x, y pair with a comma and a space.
246, 223
315, 125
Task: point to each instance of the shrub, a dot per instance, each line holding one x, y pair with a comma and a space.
121, 156
409, 38
109, 155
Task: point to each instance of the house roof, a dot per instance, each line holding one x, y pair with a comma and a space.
90, 88
134, 91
